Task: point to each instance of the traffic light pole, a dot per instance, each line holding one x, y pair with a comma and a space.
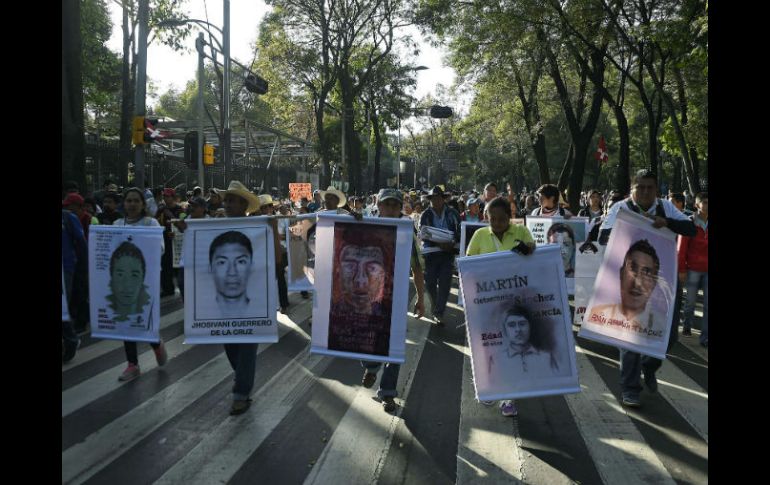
226, 133
140, 89
201, 111
398, 156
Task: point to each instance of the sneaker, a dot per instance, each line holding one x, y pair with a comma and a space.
388, 404
631, 401
369, 379
487, 403
161, 355
131, 372
70, 350
508, 408
651, 382
240, 407
439, 319
686, 332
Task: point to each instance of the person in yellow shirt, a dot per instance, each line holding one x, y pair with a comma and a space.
501, 235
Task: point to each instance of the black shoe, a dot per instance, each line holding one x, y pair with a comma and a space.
686, 332
369, 379
240, 407
651, 382
305, 294
439, 319
70, 349
388, 404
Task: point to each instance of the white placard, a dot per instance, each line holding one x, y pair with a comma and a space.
300, 244
587, 265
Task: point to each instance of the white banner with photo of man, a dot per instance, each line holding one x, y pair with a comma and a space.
300, 244
633, 297
568, 233
362, 287
124, 282
587, 265
518, 323
65, 311
230, 289
467, 229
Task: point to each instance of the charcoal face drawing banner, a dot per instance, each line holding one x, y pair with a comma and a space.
633, 297
124, 282
300, 244
586, 268
518, 322
230, 290
362, 287
178, 243
467, 229
65, 312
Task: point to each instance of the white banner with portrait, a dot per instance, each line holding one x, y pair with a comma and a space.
300, 244
568, 233
178, 244
518, 323
362, 287
65, 311
467, 229
230, 289
124, 282
587, 265
633, 297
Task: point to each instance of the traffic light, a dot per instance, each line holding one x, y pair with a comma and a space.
191, 148
208, 154
437, 111
137, 130
255, 84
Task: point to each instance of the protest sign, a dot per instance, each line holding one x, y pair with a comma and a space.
298, 190
300, 244
178, 244
467, 229
586, 268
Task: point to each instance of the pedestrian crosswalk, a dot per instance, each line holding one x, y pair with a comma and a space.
312, 422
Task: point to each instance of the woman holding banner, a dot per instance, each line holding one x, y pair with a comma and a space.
501, 235
135, 208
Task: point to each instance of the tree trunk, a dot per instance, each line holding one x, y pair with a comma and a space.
377, 150
353, 156
126, 103
623, 180
323, 149
73, 150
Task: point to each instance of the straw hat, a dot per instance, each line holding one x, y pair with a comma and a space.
237, 188
340, 195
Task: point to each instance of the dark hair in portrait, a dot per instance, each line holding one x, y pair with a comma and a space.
643, 246
128, 250
540, 332
230, 237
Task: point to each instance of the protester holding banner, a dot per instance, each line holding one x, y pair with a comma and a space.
74, 259
389, 205
267, 208
694, 268
501, 235
644, 201
196, 210
136, 215
439, 264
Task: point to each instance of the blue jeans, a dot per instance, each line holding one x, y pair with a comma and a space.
243, 360
632, 364
438, 270
67, 330
694, 281
389, 377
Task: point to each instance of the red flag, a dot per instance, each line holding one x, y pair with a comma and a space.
601, 153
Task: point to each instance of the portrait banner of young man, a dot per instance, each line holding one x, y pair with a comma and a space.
230, 274
518, 324
633, 297
300, 242
567, 233
124, 282
467, 229
587, 263
362, 287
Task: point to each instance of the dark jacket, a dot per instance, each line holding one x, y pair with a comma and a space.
451, 216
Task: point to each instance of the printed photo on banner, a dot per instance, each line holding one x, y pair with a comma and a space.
65, 312
633, 297
587, 264
361, 296
300, 241
467, 230
230, 274
298, 190
518, 324
124, 282
567, 233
